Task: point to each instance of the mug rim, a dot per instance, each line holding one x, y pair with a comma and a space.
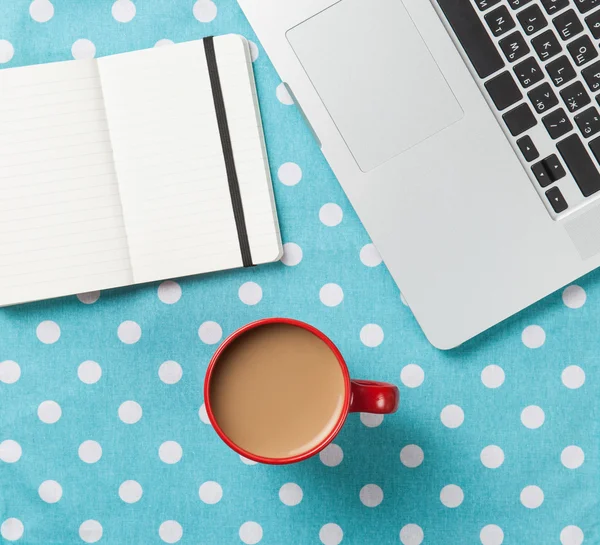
315, 449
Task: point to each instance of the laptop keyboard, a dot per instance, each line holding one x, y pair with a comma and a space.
539, 63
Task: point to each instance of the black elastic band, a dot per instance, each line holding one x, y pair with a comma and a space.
234, 187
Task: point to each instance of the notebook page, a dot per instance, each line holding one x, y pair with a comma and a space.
169, 160
61, 224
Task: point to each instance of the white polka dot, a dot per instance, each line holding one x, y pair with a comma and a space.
49, 412
573, 377
532, 417
247, 461
491, 535
572, 457
369, 255
170, 452
492, 376
7, 51
129, 332
130, 412
170, 372
10, 451
123, 11
412, 375
533, 336
574, 296
89, 298
203, 415
371, 335
210, 492
253, 50
331, 534
210, 332
290, 494
205, 11
89, 372
412, 456
452, 495
90, 531
10, 371
48, 332
169, 292
292, 254
331, 295
452, 416
170, 531
492, 456
90, 451
83, 49
332, 455
283, 95
371, 495
164, 42
50, 491
371, 420
411, 534
532, 496
12, 529
331, 214
251, 532
130, 491
571, 535
41, 11
289, 174
250, 293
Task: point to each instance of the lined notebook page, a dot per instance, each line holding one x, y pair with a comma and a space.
169, 160
61, 223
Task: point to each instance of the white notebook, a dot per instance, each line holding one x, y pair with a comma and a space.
113, 171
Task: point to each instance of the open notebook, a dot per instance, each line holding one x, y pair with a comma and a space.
132, 168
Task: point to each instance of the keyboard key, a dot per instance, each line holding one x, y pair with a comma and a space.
519, 119
503, 90
543, 98
554, 167
593, 23
556, 200
528, 148
532, 19
486, 4
560, 71
473, 36
557, 123
528, 72
516, 4
567, 24
586, 5
595, 147
499, 21
591, 75
514, 46
580, 164
541, 174
588, 122
546, 45
554, 6
575, 96
582, 50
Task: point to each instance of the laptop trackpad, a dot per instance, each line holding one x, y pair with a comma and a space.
375, 76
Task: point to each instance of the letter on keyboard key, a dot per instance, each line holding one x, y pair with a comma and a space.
503, 90
556, 200
514, 46
500, 21
567, 24
591, 75
519, 119
557, 123
560, 71
473, 37
532, 19
580, 164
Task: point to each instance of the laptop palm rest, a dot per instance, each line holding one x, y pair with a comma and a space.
376, 77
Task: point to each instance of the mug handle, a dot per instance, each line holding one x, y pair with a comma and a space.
369, 396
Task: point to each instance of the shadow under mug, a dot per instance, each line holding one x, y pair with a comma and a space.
359, 395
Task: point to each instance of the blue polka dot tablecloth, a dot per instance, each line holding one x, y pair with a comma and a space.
103, 432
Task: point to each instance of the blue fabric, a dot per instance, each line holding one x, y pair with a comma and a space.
415, 499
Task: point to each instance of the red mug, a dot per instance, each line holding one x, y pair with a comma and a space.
359, 395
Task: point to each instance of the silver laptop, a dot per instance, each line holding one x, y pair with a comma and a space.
466, 134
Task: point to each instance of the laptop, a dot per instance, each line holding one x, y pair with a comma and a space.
466, 134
